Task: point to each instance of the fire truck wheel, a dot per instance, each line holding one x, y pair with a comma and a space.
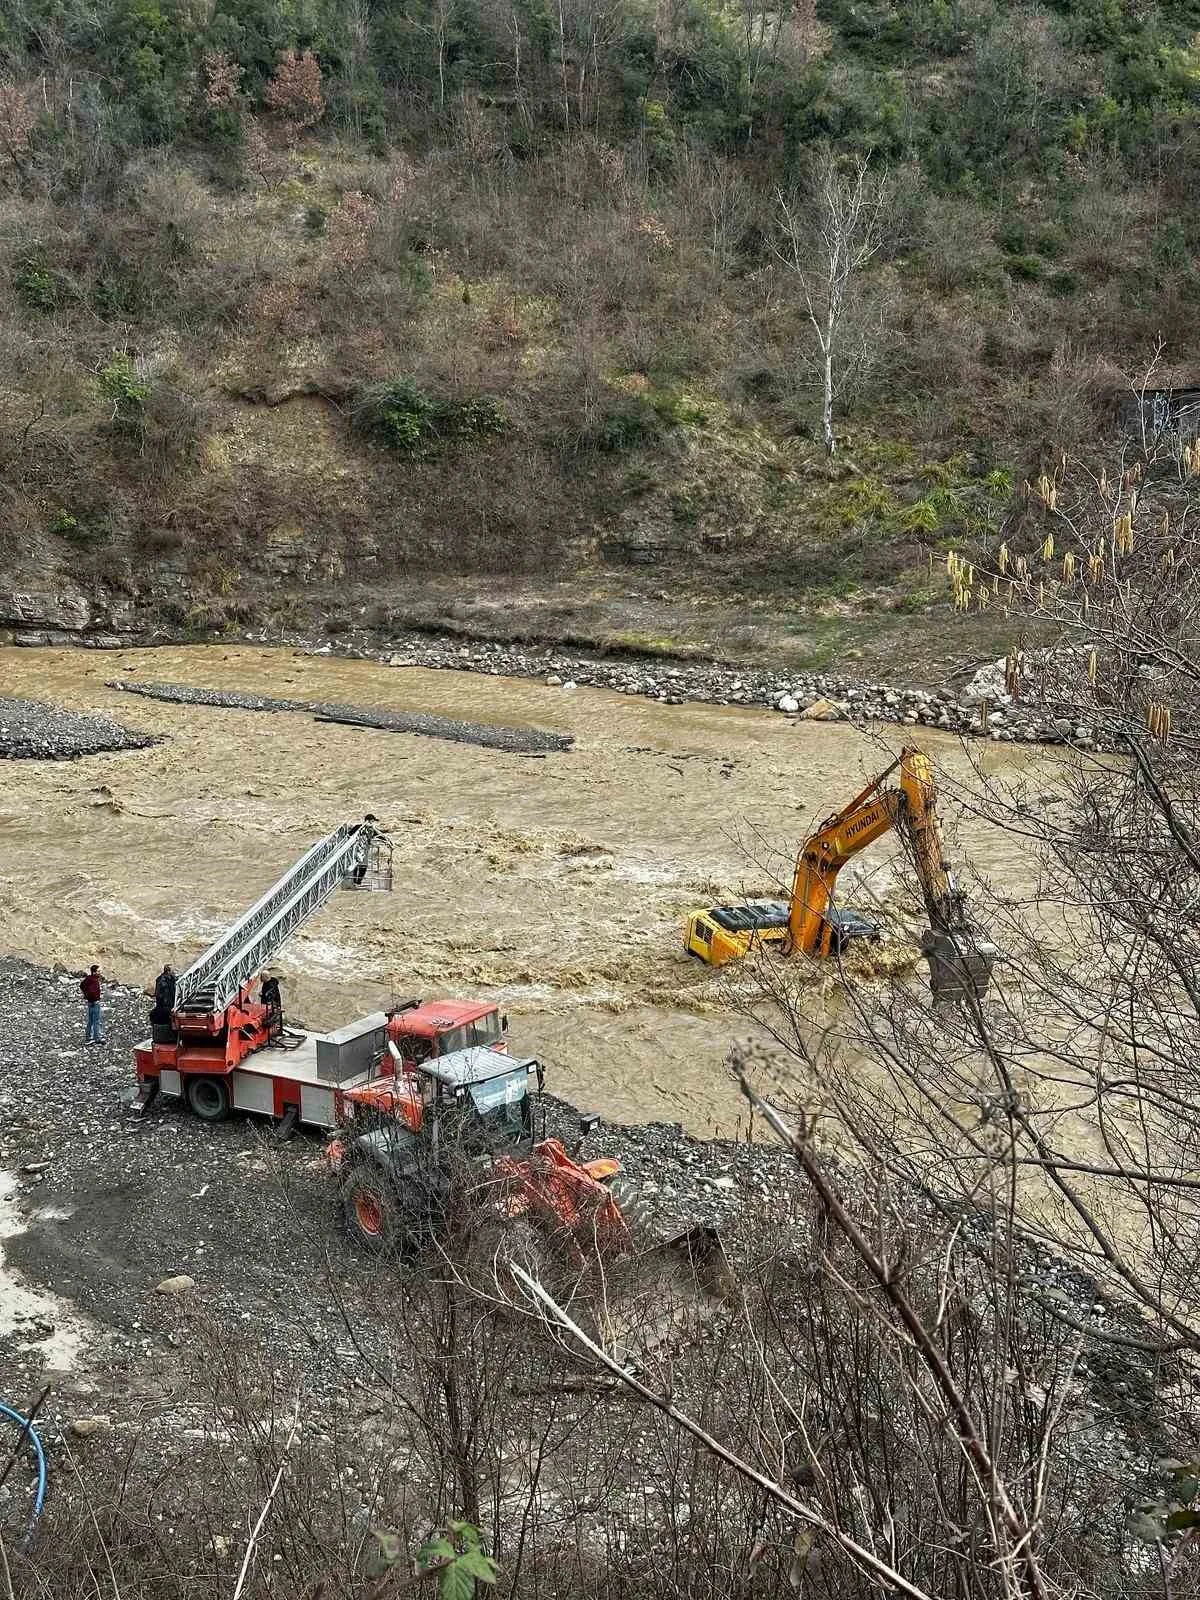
208, 1098
371, 1210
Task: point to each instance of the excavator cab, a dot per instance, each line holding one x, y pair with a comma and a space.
720, 934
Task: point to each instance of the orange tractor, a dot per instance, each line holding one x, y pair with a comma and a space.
461, 1127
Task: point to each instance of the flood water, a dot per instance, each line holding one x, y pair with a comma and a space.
557, 886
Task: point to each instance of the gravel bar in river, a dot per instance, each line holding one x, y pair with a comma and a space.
517, 741
31, 730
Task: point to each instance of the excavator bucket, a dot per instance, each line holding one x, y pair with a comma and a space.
702, 1248
665, 1285
960, 964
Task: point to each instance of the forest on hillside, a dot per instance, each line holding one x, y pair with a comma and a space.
503, 284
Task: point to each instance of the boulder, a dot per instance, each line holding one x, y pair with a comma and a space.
180, 1284
989, 683
85, 1427
823, 711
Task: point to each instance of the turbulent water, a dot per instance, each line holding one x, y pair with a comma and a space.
555, 885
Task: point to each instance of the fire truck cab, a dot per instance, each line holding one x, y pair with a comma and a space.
423, 1030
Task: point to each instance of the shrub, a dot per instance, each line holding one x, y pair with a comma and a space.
402, 415
920, 517
350, 227
294, 92
66, 525
122, 384
864, 500
638, 420
37, 285
628, 425
17, 122
1063, 284
222, 81
1029, 269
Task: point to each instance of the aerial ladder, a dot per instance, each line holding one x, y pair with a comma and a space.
960, 956
216, 1023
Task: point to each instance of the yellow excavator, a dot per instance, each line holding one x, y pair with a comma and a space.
960, 956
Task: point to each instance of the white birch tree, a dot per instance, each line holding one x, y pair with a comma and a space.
827, 237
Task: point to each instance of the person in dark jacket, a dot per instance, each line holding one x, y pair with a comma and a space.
90, 989
163, 1012
273, 1000
164, 992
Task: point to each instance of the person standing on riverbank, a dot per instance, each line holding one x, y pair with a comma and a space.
90, 989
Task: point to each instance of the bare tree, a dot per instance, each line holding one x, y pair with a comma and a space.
828, 235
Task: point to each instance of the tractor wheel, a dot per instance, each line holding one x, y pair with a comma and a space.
371, 1210
384, 1215
208, 1098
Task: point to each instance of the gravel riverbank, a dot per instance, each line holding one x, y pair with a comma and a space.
129, 1238
31, 730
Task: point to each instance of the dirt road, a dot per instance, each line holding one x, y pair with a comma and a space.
556, 885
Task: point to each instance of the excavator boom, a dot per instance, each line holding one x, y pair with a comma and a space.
811, 927
960, 957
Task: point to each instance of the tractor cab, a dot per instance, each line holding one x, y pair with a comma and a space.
482, 1099
478, 1099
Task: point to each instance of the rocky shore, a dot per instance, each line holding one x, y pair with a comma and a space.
981, 709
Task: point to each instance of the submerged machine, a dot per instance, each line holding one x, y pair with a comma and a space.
961, 956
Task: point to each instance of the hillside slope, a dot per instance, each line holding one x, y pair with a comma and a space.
306, 308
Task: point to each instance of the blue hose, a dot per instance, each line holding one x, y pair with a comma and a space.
39, 1498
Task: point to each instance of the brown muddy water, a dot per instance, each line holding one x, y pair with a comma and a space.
557, 886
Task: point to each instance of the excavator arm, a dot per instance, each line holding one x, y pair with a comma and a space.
918, 821
960, 958
811, 926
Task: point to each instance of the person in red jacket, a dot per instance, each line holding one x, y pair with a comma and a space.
90, 989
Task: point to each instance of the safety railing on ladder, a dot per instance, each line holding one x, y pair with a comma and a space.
356, 855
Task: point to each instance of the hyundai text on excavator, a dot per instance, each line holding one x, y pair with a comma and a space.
960, 956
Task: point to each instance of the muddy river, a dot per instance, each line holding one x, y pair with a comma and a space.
556, 885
